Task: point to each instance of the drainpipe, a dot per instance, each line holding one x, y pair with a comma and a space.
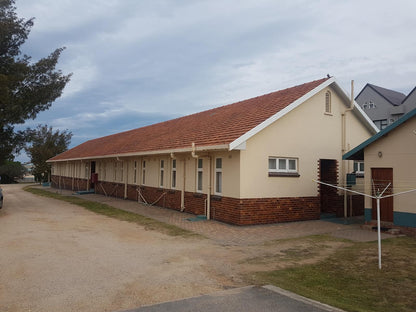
344, 147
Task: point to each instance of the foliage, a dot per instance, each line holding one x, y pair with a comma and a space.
45, 144
10, 170
26, 87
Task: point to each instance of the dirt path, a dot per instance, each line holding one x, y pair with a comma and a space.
59, 257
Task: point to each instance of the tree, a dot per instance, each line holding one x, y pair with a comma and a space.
26, 87
45, 144
11, 170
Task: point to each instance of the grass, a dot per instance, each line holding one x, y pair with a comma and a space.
112, 212
350, 279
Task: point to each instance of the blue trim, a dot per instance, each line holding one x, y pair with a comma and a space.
367, 214
404, 218
380, 134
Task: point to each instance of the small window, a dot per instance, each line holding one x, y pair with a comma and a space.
173, 173
371, 104
218, 176
328, 102
162, 172
365, 106
199, 175
279, 166
359, 168
144, 172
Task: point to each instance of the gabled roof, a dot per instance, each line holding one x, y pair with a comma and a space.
393, 97
357, 153
410, 93
226, 127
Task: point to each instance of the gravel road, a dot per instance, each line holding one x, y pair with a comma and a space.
59, 257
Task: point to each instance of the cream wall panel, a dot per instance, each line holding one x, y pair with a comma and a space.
398, 150
306, 133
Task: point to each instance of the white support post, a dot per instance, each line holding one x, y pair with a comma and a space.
379, 232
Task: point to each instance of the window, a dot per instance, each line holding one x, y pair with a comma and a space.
365, 106
104, 171
162, 172
218, 175
381, 124
121, 171
115, 171
283, 166
371, 104
173, 173
86, 172
328, 102
359, 168
135, 173
144, 172
199, 175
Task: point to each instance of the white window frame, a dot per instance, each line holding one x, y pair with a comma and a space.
286, 160
173, 179
359, 165
199, 175
162, 172
218, 177
144, 172
135, 172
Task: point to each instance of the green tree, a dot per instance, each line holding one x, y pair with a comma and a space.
26, 87
45, 144
11, 170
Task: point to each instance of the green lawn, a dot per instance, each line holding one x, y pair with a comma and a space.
109, 211
350, 279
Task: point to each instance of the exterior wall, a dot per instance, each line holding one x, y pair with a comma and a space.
383, 109
398, 152
306, 133
410, 102
249, 195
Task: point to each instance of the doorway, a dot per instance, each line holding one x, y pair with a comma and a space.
380, 178
328, 173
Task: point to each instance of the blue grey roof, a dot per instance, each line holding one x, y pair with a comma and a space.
393, 97
357, 153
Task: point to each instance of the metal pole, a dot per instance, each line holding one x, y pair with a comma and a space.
379, 232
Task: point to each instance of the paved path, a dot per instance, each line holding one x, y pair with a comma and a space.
226, 234
250, 298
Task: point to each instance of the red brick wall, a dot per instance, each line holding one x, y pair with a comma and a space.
66, 183
265, 210
225, 209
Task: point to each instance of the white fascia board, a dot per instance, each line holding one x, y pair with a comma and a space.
148, 153
357, 109
236, 143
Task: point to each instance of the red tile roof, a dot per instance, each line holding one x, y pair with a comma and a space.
218, 126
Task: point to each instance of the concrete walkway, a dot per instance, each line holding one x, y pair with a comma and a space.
251, 298
226, 234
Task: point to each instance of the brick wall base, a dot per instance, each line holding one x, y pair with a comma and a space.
229, 210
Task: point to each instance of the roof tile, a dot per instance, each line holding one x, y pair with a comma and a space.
217, 126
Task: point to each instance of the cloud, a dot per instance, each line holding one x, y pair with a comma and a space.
139, 62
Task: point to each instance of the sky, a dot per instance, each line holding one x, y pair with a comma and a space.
138, 62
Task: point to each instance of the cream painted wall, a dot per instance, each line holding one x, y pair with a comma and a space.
306, 133
398, 150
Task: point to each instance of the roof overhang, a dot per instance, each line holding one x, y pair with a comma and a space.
148, 153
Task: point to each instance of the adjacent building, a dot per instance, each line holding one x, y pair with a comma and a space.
385, 106
390, 161
251, 162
